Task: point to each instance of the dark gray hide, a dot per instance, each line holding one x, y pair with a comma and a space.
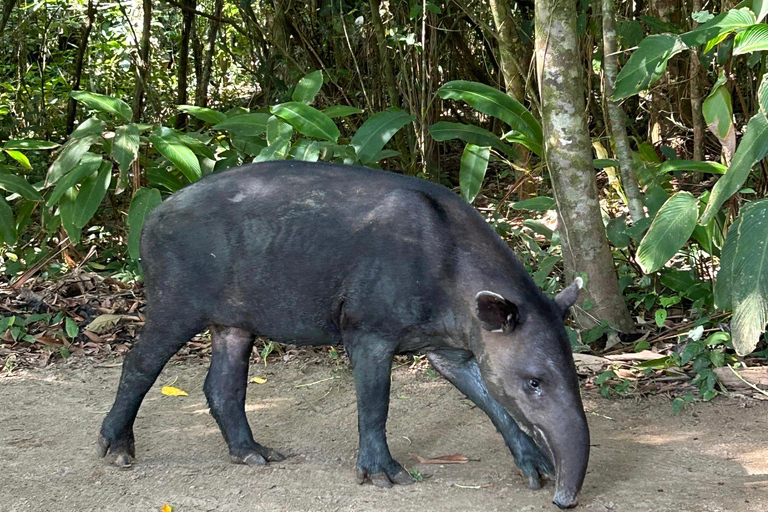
315, 254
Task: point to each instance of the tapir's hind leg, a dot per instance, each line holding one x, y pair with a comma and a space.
160, 339
461, 369
225, 388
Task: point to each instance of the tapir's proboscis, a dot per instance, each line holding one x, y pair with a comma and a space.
317, 254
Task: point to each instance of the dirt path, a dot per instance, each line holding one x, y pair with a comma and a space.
711, 458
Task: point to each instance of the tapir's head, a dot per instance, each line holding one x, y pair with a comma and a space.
526, 362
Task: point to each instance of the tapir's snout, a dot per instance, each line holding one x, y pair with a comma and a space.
564, 502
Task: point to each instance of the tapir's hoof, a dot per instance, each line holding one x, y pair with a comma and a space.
396, 475
119, 453
256, 456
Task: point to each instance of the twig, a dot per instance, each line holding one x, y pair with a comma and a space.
747, 382
313, 383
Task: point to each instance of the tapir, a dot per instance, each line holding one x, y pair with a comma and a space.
385, 264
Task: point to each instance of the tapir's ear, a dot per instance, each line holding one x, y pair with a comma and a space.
496, 314
567, 298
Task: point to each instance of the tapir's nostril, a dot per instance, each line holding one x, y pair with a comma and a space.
566, 504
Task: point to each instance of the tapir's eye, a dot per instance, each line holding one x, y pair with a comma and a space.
534, 383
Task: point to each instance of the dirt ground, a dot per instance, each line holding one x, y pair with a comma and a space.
712, 457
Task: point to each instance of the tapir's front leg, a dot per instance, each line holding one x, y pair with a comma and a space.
371, 358
461, 369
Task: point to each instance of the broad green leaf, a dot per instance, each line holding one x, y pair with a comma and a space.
718, 28
165, 178
752, 148
308, 87
445, 130
751, 39
718, 113
278, 129
29, 144
306, 150
335, 111
92, 192
762, 94
67, 214
91, 126
616, 230
276, 151
88, 165
602, 163
535, 204
660, 317
249, 145
518, 138
474, 163
13, 183
647, 64
670, 230
742, 282
19, 157
692, 165
144, 201
125, 148
493, 102
385, 153
179, 155
207, 115
244, 124
307, 120
759, 7
69, 157
7, 224
376, 131
71, 327
104, 103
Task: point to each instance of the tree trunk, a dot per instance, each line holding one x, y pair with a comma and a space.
617, 117
696, 99
384, 57
79, 60
568, 151
188, 17
142, 67
201, 97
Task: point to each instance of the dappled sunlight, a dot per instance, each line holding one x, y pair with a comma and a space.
267, 403
755, 462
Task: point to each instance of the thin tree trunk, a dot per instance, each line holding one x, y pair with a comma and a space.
79, 60
568, 151
142, 67
201, 97
384, 57
188, 17
696, 98
617, 117
8, 6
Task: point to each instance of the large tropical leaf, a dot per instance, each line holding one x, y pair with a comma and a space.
88, 165
647, 64
445, 130
306, 150
7, 224
244, 124
103, 103
376, 131
751, 39
474, 163
670, 229
13, 183
278, 129
207, 115
742, 282
69, 157
535, 204
718, 113
29, 144
278, 150
67, 214
145, 200
308, 87
307, 120
125, 148
692, 165
179, 155
718, 28
19, 157
495, 103
341, 111
752, 148
92, 192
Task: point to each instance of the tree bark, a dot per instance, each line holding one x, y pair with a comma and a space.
201, 96
568, 151
696, 98
82, 48
617, 118
188, 17
142, 66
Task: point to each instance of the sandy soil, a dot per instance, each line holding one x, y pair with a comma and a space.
712, 457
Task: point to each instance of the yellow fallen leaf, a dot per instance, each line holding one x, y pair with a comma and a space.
259, 380
166, 508
172, 391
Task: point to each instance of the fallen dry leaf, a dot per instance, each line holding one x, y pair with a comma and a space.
259, 380
103, 323
443, 459
172, 391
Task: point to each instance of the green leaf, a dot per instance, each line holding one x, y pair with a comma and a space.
616, 230
660, 317
752, 148
88, 165
278, 129
669, 231
125, 148
308, 87
276, 151
12, 183
91, 126
207, 115
307, 120
160, 176
385, 153
718, 28
7, 224
762, 94
29, 144
19, 157
104, 103
67, 214
70, 156
71, 327
335, 111
718, 113
244, 124
92, 192
179, 155
751, 39
306, 150
692, 165
602, 163
474, 163
535, 204
493, 102
742, 282
144, 201
647, 64
376, 131
445, 130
